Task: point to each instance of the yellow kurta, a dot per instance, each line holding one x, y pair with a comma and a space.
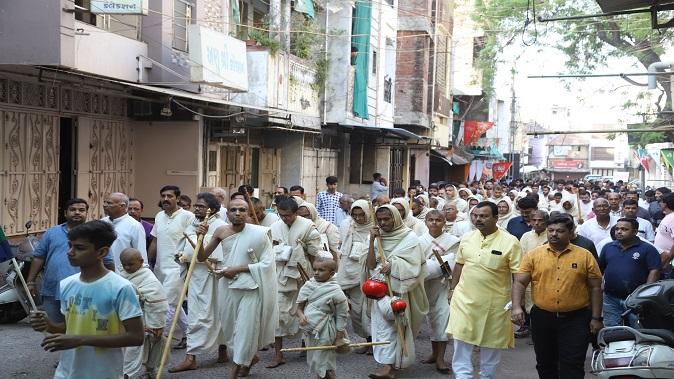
477, 312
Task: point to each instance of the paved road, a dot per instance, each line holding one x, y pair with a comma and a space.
22, 357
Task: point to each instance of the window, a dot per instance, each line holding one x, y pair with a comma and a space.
388, 87
374, 61
362, 159
182, 17
603, 153
478, 45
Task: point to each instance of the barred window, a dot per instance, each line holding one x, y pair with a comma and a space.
182, 17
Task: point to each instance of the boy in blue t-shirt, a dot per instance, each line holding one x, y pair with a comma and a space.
102, 313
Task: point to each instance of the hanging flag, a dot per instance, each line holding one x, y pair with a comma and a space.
472, 130
668, 157
306, 7
5, 250
500, 169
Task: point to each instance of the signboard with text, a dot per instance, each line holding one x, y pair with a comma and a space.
567, 164
217, 59
119, 7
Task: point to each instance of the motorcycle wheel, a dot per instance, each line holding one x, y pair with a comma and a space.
11, 313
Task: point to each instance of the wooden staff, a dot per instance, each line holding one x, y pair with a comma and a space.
33, 307
303, 272
444, 266
332, 347
183, 292
189, 240
580, 217
252, 209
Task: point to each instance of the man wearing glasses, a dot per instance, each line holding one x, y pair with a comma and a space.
598, 227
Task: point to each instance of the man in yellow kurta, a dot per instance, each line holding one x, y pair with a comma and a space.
479, 292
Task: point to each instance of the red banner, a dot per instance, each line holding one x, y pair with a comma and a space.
568, 164
472, 130
500, 169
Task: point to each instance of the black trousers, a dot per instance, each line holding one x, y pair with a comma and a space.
560, 342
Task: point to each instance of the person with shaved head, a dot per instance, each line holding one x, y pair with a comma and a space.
598, 227
249, 313
130, 233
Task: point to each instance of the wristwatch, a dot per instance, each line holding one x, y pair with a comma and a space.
598, 318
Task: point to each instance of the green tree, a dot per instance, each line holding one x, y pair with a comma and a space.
587, 43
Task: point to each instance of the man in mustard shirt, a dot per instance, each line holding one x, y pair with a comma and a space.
566, 288
480, 290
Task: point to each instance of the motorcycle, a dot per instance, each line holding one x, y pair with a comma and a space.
14, 303
646, 352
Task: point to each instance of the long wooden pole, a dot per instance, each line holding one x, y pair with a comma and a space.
252, 209
183, 292
24, 284
332, 347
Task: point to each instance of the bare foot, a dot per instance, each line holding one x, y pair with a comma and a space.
329, 374
246, 370
429, 360
222, 354
234, 372
384, 373
186, 365
442, 366
278, 361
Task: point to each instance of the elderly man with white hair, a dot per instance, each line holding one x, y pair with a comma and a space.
221, 195
130, 233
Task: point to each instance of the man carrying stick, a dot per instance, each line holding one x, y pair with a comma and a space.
204, 334
249, 314
404, 264
296, 242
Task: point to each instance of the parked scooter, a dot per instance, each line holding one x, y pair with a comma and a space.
14, 303
647, 352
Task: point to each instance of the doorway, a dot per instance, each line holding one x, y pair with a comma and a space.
67, 159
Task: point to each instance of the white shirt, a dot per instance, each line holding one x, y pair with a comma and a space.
592, 230
340, 216
222, 213
585, 209
269, 218
646, 231
130, 233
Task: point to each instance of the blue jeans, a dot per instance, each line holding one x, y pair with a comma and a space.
53, 309
613, 308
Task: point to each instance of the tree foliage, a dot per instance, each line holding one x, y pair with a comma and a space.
586, 43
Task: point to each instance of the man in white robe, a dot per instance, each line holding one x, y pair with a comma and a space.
130, 233
249, 315
265, 218
355, 242
405, 267
204, 333
169, 225
413, 223
296, 243
437, 285
452, 217
329, 232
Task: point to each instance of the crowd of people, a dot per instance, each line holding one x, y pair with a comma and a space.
482, 263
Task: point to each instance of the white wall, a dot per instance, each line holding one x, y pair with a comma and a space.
107, 54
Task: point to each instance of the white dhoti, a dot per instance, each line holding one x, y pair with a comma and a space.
244, 328
384, 329
204, 334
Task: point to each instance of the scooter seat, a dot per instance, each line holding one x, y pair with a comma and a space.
666, 335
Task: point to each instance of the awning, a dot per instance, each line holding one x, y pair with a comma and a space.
398, 133
442, 157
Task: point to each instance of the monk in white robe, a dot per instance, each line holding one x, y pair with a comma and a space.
437, 285
452, 217
322, 312
296, 243
249, 313
411, 222
152, 298
355, 242
420, 207
204, 333
328, 231
405, 267
265, 218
